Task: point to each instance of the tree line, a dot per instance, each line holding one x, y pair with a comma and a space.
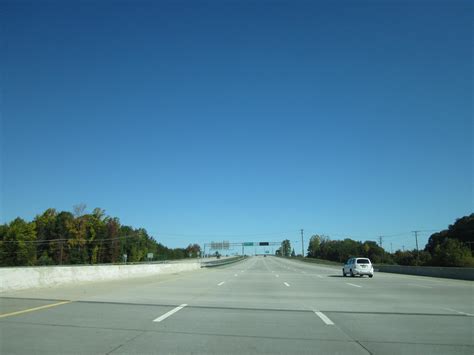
450, 247
65, 238
285, 249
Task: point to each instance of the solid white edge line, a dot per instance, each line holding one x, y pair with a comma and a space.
353, 284
324, 318
220, 283
286, 284
167, 314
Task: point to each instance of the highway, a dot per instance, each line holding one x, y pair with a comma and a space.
260, 305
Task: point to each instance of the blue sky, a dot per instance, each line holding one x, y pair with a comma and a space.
240, 120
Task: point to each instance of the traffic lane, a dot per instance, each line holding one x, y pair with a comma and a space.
338, 293
255, 290
432, 295
221, 330
265, 290
117, 296
337, 270
426, 334
250, 282
49, 339
167, 288
397, 316
169, 342
299, 266
107, 315
427, 293
84, 290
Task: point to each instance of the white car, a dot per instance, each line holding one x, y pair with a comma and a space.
358, 266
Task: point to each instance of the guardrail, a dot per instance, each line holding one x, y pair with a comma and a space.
459, 273
222, 262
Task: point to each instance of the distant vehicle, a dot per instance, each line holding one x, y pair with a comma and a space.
358, 266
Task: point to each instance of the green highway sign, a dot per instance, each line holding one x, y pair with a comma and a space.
248, 244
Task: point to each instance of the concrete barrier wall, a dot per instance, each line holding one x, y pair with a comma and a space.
221, 262
20, 278
460, 273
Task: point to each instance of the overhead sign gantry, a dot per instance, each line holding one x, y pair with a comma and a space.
226, 245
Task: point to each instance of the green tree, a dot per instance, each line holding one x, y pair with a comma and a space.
67, 238
3, 244
45, 231
374, 251
452, 252
405, 257
314, 246
59, 248
18, 243
193, 250
285, 248
112, 244
462, 230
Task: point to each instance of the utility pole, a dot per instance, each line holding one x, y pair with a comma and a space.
391, 249
302, 244
417, 250
380, 243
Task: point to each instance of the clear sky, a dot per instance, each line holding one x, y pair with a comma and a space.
240, 120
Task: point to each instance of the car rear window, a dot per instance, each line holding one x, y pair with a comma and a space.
363, 261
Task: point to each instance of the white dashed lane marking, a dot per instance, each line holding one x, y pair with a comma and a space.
324, 318
353, 284
167, 314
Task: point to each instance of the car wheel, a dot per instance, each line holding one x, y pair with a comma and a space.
352, 274
371, 276
343, 273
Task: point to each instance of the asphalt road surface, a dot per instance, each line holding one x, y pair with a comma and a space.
260, 305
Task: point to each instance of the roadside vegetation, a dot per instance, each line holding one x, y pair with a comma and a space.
450, 247
65, 238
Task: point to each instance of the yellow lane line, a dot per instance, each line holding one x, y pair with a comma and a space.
33, 309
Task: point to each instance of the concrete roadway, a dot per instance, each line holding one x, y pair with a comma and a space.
261, 305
